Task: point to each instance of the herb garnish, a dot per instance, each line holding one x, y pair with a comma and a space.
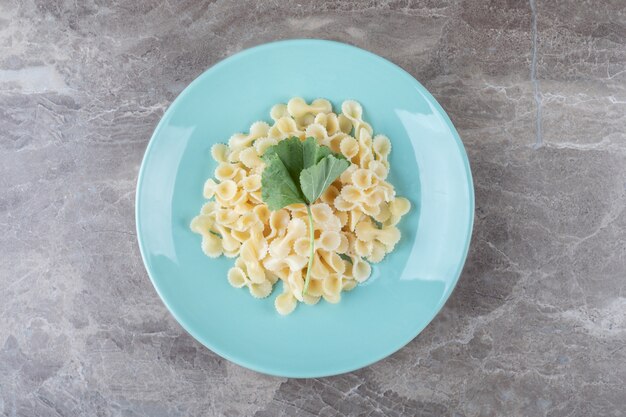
298, 172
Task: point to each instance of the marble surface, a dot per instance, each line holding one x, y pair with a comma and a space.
537, 324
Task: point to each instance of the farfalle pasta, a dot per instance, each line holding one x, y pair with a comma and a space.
355, 218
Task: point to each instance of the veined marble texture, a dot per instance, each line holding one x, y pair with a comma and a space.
537, 324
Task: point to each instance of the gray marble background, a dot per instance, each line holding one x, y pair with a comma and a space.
537, 324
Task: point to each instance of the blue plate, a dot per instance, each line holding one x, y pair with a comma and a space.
428, 166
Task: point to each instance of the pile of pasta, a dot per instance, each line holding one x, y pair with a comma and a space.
355, 219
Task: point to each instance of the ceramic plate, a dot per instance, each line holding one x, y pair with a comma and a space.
428, 166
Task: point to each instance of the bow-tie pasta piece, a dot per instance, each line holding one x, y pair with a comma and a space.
361, 270
381, 146
333, 261
250, 158
209, 188
229, 243
203, 224
329, 195
349, 147
244, 207
226, 171
226, 217
296, 284
262, 144
329, 240
284, 128
240, 235
227, 200
225, 190
343, 218
330, 121
296, 262
363, 248
378, 252
388, 190
353, 111
378, 169
262, 214
310, 299
383, 213
278, 222
252, 251
271, 277
302, 246
352, 193
345, 124
346, 176
315, 288
239, 140
334, 141
374, 196
398, 208
237, 277
354, 216
278, 266
365, 155
297, 209
354, 220
304, 114
251, 183
212, 246
281, 247
319, 269
304, 121
324, 217
331, 287
261, 290
248, 221
317, 131
297, 107
285, 303
363, 178
209, 207
348, 284
342, 204
220, 152
344, 245
388, 235
278, 111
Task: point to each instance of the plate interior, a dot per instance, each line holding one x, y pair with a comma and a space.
405, 291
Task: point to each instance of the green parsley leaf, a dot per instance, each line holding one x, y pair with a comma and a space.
293, 166
277, 187
290, 153
312, 153
317, 178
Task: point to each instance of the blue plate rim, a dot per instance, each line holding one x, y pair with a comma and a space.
303, 42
